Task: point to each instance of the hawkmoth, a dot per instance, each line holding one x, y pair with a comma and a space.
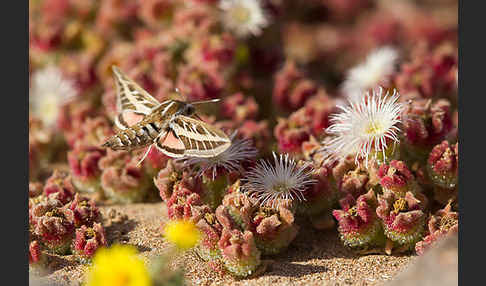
172, 126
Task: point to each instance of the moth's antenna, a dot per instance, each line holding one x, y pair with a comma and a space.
206, 101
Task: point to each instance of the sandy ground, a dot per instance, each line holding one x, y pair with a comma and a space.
314, 258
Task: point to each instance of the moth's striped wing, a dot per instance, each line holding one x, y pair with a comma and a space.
192, 137
133, 102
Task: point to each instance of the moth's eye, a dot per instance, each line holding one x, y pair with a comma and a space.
190, 110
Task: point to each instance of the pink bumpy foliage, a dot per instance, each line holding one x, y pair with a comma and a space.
321, 196
397, 177
60, 187
426, 124
403, 217
430, 73
92, 131
35, 252
56, 212
359, 225
274, 230
181, 202
166, 178
239, 252
200, 82
443, 223
309, 120
121, 179
88, 240
292, 89
54, 226
239, 108
83, 161
84, 211
443, 164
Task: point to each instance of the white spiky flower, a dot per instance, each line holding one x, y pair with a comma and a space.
243, 17
364, 127
378, 66
49, 91
277, 183
240, 151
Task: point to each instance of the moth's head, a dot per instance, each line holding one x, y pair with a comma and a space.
188, 109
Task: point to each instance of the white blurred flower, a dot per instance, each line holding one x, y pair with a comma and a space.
49, 91
363, 126
243, 17
280, 182
377, 68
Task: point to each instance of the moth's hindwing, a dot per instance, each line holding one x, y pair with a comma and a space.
192, 137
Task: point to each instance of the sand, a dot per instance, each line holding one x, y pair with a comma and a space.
314, 258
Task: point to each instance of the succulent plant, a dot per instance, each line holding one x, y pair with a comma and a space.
309, 120
358, 225
59, 186
397, 177
122, 179
166, 179
37, 258
443, 223
35, 189
239, 108
83, 161
403, 218
442, 165
319, 199
292, 88
426, 123
274, 230
181, 203
84, 211
88, 240
239, 253
236, 209
54, 226
429, 72
211, 230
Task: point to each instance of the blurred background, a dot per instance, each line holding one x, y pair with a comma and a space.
298, 50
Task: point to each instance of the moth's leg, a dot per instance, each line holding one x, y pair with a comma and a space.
150, 147
145, 155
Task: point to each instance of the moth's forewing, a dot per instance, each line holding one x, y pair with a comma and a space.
130, 96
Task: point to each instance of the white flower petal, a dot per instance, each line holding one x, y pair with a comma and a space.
362, 126
243, 17
49, 91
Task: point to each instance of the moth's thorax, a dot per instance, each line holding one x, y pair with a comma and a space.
171, 108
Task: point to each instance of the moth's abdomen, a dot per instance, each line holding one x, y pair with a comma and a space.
130, 138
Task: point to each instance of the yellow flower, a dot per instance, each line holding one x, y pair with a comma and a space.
118, 266
184, 234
